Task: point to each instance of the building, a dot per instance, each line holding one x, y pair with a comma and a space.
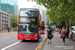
4, 20
45, 17
42, 10
11, 5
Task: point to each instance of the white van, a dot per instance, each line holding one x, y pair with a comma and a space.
73, 27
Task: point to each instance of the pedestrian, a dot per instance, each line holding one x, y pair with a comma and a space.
59, 31
63, 33
67, 33
49, 35
52, 30
0, 29
70, 33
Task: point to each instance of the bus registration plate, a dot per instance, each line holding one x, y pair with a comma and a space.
27, 39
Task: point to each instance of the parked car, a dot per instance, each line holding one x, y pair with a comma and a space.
73, 31
73, 27
73, 34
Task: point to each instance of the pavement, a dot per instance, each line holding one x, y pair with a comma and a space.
6, 32
57, 44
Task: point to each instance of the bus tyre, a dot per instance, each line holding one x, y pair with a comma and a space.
39, 37
37, 40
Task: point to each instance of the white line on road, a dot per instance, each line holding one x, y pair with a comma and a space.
4, 37
10, 45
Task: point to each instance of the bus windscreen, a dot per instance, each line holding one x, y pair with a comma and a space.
42, 27
27, 28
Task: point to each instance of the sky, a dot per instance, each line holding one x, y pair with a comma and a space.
25, 4
30, 4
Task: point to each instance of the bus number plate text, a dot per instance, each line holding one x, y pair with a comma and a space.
27, 39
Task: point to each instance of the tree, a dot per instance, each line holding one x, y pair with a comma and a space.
13, 20
59, 11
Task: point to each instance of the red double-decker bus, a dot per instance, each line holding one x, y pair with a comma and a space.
29, 23
43, 27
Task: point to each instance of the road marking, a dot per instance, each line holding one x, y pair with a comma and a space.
41, 43
7, 34
4, 37
10, 45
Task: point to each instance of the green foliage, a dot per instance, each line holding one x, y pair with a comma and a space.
59, 11
13, 20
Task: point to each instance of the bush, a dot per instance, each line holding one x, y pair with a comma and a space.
15, 29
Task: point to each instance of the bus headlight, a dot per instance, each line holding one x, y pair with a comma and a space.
35, 35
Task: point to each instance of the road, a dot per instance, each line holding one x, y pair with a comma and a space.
10, 42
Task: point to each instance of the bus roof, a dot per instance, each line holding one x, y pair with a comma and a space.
29, 8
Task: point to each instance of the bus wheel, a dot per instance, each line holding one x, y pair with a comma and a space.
39, 37
23, 40
37, 40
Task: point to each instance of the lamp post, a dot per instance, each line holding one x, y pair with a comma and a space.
49, 22
8, 22
69, 23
